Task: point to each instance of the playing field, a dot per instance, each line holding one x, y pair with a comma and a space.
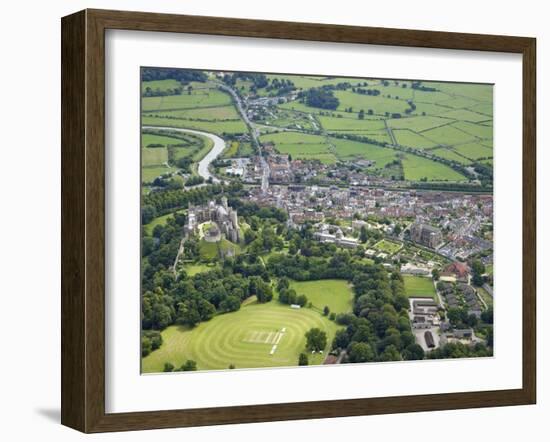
258, 335
334, 293
418, 286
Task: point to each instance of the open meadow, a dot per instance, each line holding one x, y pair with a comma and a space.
336, 294
419, 287
244, 338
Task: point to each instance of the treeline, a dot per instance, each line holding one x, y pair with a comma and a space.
252, 209
184, 76
320, 97
280, 87
163, 201
189, 301
379, 328
361, 91
258, 80
451, 187
417, 85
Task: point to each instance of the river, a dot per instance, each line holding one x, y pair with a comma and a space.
217, 149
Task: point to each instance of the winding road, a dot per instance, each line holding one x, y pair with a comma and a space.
204, 164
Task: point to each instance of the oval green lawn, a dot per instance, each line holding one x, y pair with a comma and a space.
229, 339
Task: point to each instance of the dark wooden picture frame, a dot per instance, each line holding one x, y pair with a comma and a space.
83, 220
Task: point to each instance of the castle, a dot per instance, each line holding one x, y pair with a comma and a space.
221, 214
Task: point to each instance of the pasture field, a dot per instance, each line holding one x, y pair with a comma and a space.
477, 92
408, 138
227, 112
447, 135
417, 124
483, 108
305, 82
347, 149
416, 168
296, 150
458, 102
378, 135
335, 293
341, 124
161, 85
465, 115
148, 174
204, 97
148, 139
419, 287
379, 104
154, 156
476, 130
474, 150
244, 338
387, 246
300, 145
449, 154
292, 138
216, 127
431, 97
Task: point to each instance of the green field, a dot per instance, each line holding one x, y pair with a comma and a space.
379, 104
227, 112
418, 286
244, 338
204, 97
161, 85
347, 149
217, 127
387, 246
148, 139
148, 174
193, 269
154, 156
417, 124
160, 220
210, 250
416, 168
447, 135
474, 150
335, 293
342, 124
408, 138
449, 154
292, 138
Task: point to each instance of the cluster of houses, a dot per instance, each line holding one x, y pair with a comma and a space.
461, 295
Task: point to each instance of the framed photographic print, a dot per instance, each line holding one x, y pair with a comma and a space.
267, 220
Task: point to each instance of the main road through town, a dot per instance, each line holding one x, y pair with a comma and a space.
203, 167
253, 133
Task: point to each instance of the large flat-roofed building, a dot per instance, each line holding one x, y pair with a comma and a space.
426, 235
